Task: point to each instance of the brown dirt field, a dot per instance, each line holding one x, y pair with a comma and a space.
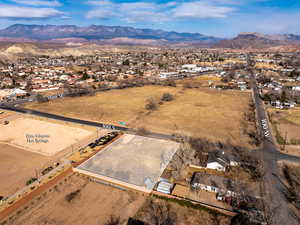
213, 114
200, 81
17, 167
292, 150
94, 205
290, 129
205, 113
182, 215
287, 122
111, 106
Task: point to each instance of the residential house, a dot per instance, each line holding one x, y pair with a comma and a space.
213, 183
220, 161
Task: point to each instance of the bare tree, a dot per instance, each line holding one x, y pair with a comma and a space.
113, 221
159, 213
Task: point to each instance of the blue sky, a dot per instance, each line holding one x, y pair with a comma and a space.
222, 18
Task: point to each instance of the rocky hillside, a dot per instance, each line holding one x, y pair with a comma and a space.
258, 41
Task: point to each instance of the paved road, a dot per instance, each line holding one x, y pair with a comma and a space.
11, 107
274, 189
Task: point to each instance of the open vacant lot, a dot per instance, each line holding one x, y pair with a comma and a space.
40, 136
111, 106
286, 125
18, 166
209, 113
132, 161
80, 202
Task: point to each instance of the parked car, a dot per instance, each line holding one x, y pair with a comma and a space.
47, 170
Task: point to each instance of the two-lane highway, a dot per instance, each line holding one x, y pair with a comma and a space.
278, 211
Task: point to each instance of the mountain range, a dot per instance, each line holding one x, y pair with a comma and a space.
118, 35
96, 33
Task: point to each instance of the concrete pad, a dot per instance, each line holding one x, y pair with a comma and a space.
135, 161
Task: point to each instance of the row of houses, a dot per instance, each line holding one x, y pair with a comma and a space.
206, 179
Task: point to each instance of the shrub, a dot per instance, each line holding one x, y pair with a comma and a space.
69, 197
170, 83
151, 104
141, 131
41, 99
113, 221
167, 97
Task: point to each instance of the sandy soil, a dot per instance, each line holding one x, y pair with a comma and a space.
6, 114
17, 166
40, 136
94, 205
213, 114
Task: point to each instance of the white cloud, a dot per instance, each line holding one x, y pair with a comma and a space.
273, 22
54, 3
29, 13
155, 12
200, 10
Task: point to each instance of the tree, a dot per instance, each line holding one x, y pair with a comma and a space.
85, 76
113, 221
159, 213
126, 62
294, 74
283, 97
28, 86
40, 98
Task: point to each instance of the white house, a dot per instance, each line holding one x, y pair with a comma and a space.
189, 66
220, 161
167, 75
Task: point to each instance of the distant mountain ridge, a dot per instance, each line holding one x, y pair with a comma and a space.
119, 35
99, 32
258, 40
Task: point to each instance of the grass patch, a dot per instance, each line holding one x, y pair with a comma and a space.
295, 141
280, 140
294, 116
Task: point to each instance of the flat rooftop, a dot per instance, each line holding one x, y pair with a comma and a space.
133, 161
